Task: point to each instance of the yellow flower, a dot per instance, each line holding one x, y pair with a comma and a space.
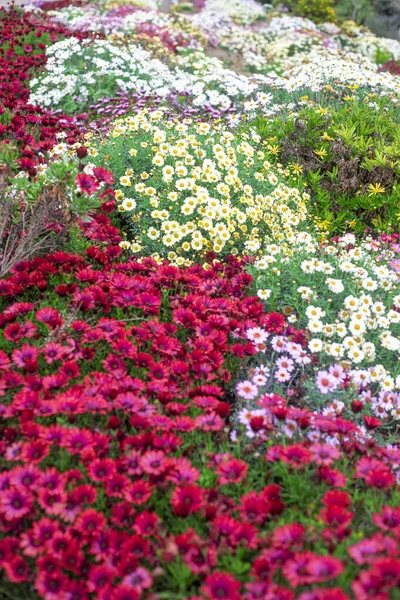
326, 137
375, 189
297, 168
321, 152
273, 149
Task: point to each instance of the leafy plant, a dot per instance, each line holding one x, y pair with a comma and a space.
347, 155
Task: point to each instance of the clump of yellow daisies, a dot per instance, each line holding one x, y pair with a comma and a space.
187, 188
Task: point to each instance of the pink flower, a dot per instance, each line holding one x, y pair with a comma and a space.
231, 471
247, 390
326, 382
87, 183
324, 454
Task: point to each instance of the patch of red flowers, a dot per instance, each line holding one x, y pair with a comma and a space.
26, 128
113, 378
393, 66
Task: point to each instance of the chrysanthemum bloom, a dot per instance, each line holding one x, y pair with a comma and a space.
24, 355
153, 462
289, 535
273, 322
369, 585
90, 523
99, 577
139, 580
221, 586
103, 175
368, 550
388, 519
50, 317
337, 498
324, 454
146, 523
101, 469
323, 568
382, 479
254, 508
296, 455
326, 382
124, 592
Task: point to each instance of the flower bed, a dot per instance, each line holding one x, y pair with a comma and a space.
199, 385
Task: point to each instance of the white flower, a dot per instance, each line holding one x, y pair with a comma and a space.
314, 312
264, 294
335, 285
315, 345
129, 204
315, 326
356, 355
257, 334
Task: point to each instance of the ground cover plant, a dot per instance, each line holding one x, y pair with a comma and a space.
347, 154
199, 303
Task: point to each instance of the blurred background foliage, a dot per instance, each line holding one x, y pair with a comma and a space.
381, 16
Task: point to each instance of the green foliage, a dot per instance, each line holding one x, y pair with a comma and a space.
355, 10
319, 11
347, 155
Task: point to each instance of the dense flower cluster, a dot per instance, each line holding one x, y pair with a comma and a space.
200, 388
346, 294
27, 129
360, 39
199, 189
109, 400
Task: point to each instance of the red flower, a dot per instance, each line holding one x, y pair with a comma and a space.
231, 471
288, 535
99, 577
81, 151
15, 503
296, 455
103, 175
87, 183
323, 568
371, 423
221, 586
186, 500
139, 492
382, 479
307, 568
273, 322
388, 519
124, 592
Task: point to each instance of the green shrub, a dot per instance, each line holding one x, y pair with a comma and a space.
320, 11
348, 155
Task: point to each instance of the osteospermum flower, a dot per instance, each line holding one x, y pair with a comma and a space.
221, 586
15, 503
186, 500
325, 382
231, 471
87, 183
324, 454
